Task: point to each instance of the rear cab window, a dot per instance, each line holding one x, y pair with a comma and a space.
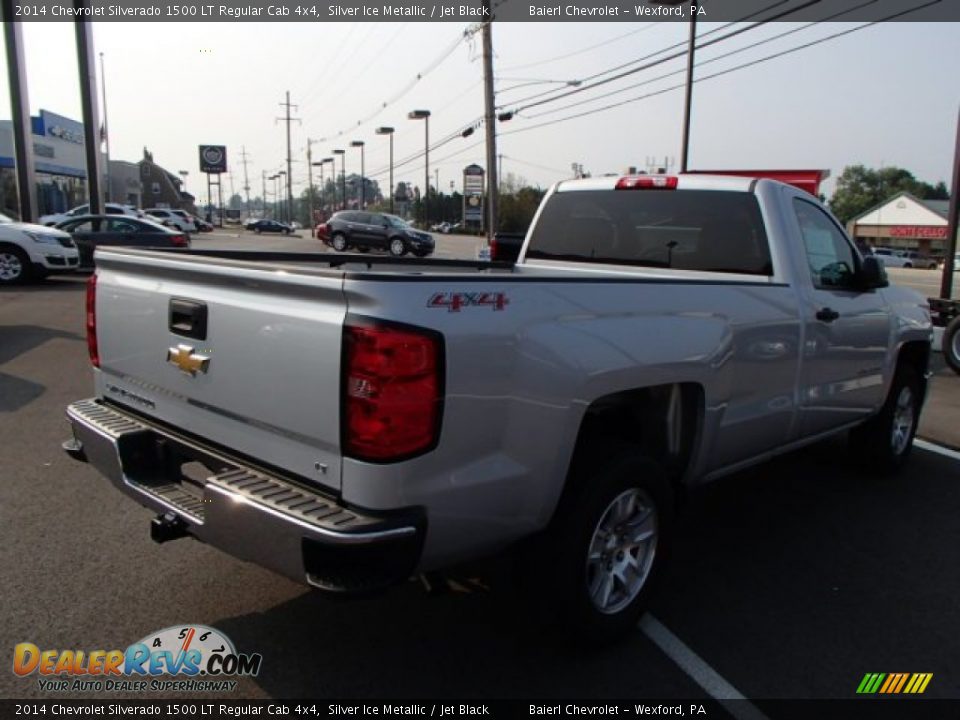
703, 230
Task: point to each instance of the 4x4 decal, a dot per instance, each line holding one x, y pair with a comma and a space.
454, 301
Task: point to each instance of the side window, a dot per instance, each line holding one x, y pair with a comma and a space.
830, 257
365, 218
82, 226
122, 226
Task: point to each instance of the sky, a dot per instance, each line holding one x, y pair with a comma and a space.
877, 96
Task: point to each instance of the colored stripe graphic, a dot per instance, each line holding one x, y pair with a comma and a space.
894, 683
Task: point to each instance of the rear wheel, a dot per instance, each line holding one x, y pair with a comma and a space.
339, 242
398, 247
599, 561
883, 443
15, 266
951, 344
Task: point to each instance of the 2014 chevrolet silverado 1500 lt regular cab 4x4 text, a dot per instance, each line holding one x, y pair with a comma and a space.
356, 419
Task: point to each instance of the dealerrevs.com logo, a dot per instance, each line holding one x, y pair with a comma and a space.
199, 657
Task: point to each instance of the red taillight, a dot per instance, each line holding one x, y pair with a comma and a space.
92, 321
392, 391
179, 240
647, 182
321, 231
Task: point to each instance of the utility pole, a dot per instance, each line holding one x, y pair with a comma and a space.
86, 68
688, 95
106, 131
490, 124
263, 197
953, 218
289, 174
20, 114
310, 181
246, 181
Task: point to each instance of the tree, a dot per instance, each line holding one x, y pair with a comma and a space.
518, 203
860, 188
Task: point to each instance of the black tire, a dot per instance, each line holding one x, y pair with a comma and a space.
15, 266
286, 232
256, 230
397, 247
564, 579
883, 442
951, 344
338, 242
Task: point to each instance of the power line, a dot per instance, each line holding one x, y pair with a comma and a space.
728, 70
403, 91
333, 90
673, 56
649, 26
744, 48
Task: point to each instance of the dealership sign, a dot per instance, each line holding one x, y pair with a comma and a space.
213, 159
917, 231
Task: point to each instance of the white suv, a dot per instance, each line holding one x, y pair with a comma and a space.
32, 251
174, 218
109, 209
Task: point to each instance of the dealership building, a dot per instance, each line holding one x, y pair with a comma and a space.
904, 222
61, 171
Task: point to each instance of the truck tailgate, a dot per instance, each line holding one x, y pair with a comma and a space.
241, 356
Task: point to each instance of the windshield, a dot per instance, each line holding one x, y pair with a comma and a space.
396, 222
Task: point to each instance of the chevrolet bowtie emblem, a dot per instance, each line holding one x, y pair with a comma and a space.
189, 362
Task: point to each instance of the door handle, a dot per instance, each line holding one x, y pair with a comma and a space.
827, 315
188, 318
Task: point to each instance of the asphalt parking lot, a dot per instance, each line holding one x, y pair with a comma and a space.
791, 580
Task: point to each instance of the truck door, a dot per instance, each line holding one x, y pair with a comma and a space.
846, 330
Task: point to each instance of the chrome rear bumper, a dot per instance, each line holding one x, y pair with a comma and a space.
246, 512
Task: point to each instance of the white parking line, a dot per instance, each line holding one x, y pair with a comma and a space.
939, 449
701, 673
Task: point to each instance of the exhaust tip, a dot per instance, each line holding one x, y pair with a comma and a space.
74, 448
167, 527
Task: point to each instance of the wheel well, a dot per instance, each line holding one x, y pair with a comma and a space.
14, 246
662, 421
915, 355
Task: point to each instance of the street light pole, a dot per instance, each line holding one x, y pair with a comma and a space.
425, 116
106, 132
343, 176
363, 179
389, 131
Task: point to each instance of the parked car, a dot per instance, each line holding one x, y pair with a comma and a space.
108, 209
170, 217
893, 258
269, 226
30, 252
374, 231
919, 260
249, 223
202, 225
92, 231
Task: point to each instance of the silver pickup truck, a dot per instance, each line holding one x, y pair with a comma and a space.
349, 420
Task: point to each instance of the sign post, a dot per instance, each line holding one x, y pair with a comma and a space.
213, 161
473, 189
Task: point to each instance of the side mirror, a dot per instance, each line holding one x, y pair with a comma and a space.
872, 273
